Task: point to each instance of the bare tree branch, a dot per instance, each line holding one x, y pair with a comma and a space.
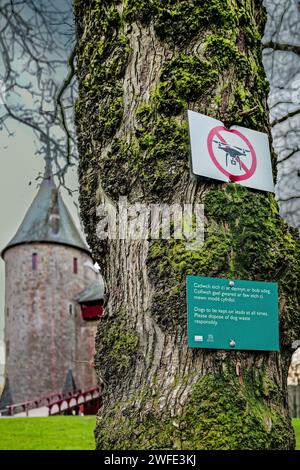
282, 64
36, 36
282, 47
284, 118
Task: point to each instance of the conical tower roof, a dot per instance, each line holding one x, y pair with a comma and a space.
48, 220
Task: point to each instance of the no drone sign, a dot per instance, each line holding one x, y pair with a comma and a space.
236, 154
240, 163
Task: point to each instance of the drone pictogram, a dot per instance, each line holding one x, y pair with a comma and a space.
235, 146
235, 153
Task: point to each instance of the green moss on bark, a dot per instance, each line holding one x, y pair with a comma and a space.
102, 57
223, 412
234, 416
189, 76
155, 159
179, 22
234, 247
117, 346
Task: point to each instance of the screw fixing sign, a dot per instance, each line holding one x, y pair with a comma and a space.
236, 154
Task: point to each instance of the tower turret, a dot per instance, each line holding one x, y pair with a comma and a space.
46, 267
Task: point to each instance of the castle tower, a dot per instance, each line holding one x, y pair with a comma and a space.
47, 265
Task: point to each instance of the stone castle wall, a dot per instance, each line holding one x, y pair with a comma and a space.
294, 371
42, 320
85, 376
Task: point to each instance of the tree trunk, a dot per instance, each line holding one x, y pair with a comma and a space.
141, 65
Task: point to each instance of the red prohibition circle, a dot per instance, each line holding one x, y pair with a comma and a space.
215, 132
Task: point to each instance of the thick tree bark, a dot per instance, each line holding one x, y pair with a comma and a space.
141, 65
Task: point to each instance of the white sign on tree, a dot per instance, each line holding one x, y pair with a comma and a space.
236, 154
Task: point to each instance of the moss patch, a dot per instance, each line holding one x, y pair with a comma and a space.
229, 416
220, 414
117, 347
234, 248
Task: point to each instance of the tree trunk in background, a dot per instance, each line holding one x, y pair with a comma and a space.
141, 65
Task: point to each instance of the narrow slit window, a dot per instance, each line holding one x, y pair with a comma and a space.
34, 261
75, 265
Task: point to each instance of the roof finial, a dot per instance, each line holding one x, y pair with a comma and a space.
48, 164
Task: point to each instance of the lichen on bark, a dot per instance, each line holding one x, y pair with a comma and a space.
141, 65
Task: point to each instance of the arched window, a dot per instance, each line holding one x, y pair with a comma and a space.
75, 265
34, 261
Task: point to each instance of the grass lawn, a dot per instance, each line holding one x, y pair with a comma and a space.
55, 433
58, 433
296, 423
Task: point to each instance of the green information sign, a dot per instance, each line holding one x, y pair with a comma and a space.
232, 314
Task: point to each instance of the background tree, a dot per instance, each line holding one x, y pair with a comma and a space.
282, 65
36, 88
141, 65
